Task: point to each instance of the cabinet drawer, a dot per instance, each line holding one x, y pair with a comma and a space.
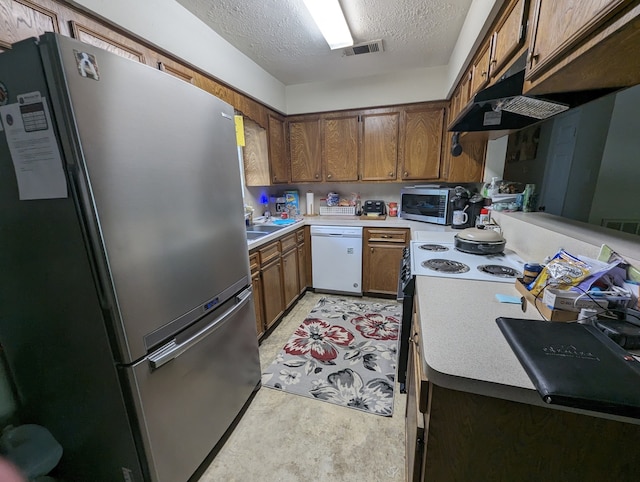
269, 252
300, 236
385, 235
422, 383
254, 261
288, 242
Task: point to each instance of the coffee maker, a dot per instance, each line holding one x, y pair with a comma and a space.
459, 206
475, 205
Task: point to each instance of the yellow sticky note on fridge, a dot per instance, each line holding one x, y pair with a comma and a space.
239, 130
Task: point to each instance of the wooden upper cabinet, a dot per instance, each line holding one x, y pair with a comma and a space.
305, 150
509, 35
255, 154
108, 40
278, 150
467, 167
480, 70
558, 25
421, 147
21, 19
379, 156
176, 70
340, 142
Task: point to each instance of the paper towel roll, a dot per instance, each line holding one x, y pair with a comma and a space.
310, 208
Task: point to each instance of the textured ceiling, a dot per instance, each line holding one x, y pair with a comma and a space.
280, 36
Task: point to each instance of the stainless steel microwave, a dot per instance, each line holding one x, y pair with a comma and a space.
428, 204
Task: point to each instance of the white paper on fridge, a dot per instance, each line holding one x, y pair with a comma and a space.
33, 147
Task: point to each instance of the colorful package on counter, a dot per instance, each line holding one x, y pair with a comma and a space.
562, 272
292, 200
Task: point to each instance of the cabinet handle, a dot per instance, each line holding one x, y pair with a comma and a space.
372, 250
317, 176
532, 57
391, 174
385, 236
405, 174
328, 176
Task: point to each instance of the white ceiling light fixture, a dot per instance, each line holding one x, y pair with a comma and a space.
330, 20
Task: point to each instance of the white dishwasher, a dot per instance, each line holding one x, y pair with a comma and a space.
336, 257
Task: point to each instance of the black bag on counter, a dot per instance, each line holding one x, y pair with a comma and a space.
575, 365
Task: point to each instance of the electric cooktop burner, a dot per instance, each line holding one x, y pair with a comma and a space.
441, 259
498, 270
433, 247
445, 266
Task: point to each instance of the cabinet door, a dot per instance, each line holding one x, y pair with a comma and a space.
305, 150
421, 148
177, 70
277, 151
381, 259
559, 25
465, 89
106, 39
414, 419
509, 36
22, 19
379, 146
454, 108
340, 148
272, 292
258, 301
302, 267
290, 277
467, 167
255, 154
480, 70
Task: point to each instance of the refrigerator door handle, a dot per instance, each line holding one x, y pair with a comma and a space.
172, 350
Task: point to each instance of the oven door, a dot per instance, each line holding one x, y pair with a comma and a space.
406, 290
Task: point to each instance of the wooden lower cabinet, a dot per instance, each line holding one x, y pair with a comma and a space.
272, 292
303, 265
279, 275
458, 435
381, 259
290, 285
271, 279
256, 285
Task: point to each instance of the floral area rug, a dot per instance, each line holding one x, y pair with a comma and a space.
344, 352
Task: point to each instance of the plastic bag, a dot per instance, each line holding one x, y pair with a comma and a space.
562, 272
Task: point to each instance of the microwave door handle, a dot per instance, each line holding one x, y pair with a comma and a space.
172, 349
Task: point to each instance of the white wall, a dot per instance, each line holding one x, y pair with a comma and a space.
407, 86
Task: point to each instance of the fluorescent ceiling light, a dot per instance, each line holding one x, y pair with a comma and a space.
330, 20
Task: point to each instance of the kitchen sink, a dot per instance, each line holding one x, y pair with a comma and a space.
264, 228
251, 235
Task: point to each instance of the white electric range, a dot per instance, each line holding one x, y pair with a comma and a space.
442, 259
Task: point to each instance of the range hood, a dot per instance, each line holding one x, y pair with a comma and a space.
503, 106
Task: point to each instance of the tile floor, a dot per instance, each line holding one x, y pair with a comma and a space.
288, 438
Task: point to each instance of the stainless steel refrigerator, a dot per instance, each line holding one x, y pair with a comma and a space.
126, 311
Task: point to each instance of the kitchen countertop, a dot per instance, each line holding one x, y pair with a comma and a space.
389, 222
463, 347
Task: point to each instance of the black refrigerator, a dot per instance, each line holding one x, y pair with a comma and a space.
126, 311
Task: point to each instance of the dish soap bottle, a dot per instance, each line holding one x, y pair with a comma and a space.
491, 189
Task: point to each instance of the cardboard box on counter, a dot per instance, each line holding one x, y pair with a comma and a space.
570, 300
549, 314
